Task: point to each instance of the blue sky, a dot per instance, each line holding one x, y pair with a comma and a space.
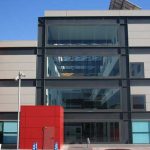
18, 18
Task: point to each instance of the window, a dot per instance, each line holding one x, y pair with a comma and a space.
85, 34
137, 69
10, 133
138, 102
79, 66
78, 98
141, 132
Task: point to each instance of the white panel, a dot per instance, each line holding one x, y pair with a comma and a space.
139, 34
21, 43
9, 98
145, 58
142, 90
17, 58
10, 65
139, 42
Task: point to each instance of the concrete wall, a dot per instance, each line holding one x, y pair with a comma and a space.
144, 90
142, 58
139, 34
9, 98
10, 65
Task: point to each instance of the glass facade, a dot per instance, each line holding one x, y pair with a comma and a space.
76, 66
76, 98
141, 132
97, 132
8, 132
84, 34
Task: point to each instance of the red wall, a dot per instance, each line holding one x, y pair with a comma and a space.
36, 122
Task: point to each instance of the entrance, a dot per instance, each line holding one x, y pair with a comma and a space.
97, 132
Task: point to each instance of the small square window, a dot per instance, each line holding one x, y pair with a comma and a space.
137, 69
138, 102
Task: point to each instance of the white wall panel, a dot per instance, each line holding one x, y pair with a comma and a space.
9, 98
139, 35
10, 65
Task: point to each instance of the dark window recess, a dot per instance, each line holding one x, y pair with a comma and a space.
138, 102
137, 69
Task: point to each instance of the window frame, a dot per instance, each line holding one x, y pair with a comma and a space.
132, 103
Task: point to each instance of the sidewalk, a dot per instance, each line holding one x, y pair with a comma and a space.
106, 147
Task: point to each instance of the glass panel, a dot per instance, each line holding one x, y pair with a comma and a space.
96, 132
106, 98
138, 102
1, 126
73, 133
1, 132
74, 66
105, 35
140, 127
142, 138
10, 138
10, 126
137, 70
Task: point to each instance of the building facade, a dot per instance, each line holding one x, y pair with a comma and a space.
96, 64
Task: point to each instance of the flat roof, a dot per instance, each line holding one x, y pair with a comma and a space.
20, 43
82, 13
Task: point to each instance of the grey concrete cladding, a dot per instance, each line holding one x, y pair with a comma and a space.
69, 13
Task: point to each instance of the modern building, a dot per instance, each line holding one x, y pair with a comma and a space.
123, 5
96, 64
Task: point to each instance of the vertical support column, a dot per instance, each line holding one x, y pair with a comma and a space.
128, 85
40, 83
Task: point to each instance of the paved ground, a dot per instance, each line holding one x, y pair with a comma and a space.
106, 147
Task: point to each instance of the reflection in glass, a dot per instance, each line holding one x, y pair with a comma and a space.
97, 132
74, 66
107, 98
104, 35
137, 70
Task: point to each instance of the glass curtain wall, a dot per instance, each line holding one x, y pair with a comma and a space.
78, 66
84, 34
106, 132
76, 98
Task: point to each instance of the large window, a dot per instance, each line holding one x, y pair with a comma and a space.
76, 98
8, 132
85, 34
76, 66
106, 132
141, 132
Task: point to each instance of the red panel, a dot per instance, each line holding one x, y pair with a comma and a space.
34, 119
